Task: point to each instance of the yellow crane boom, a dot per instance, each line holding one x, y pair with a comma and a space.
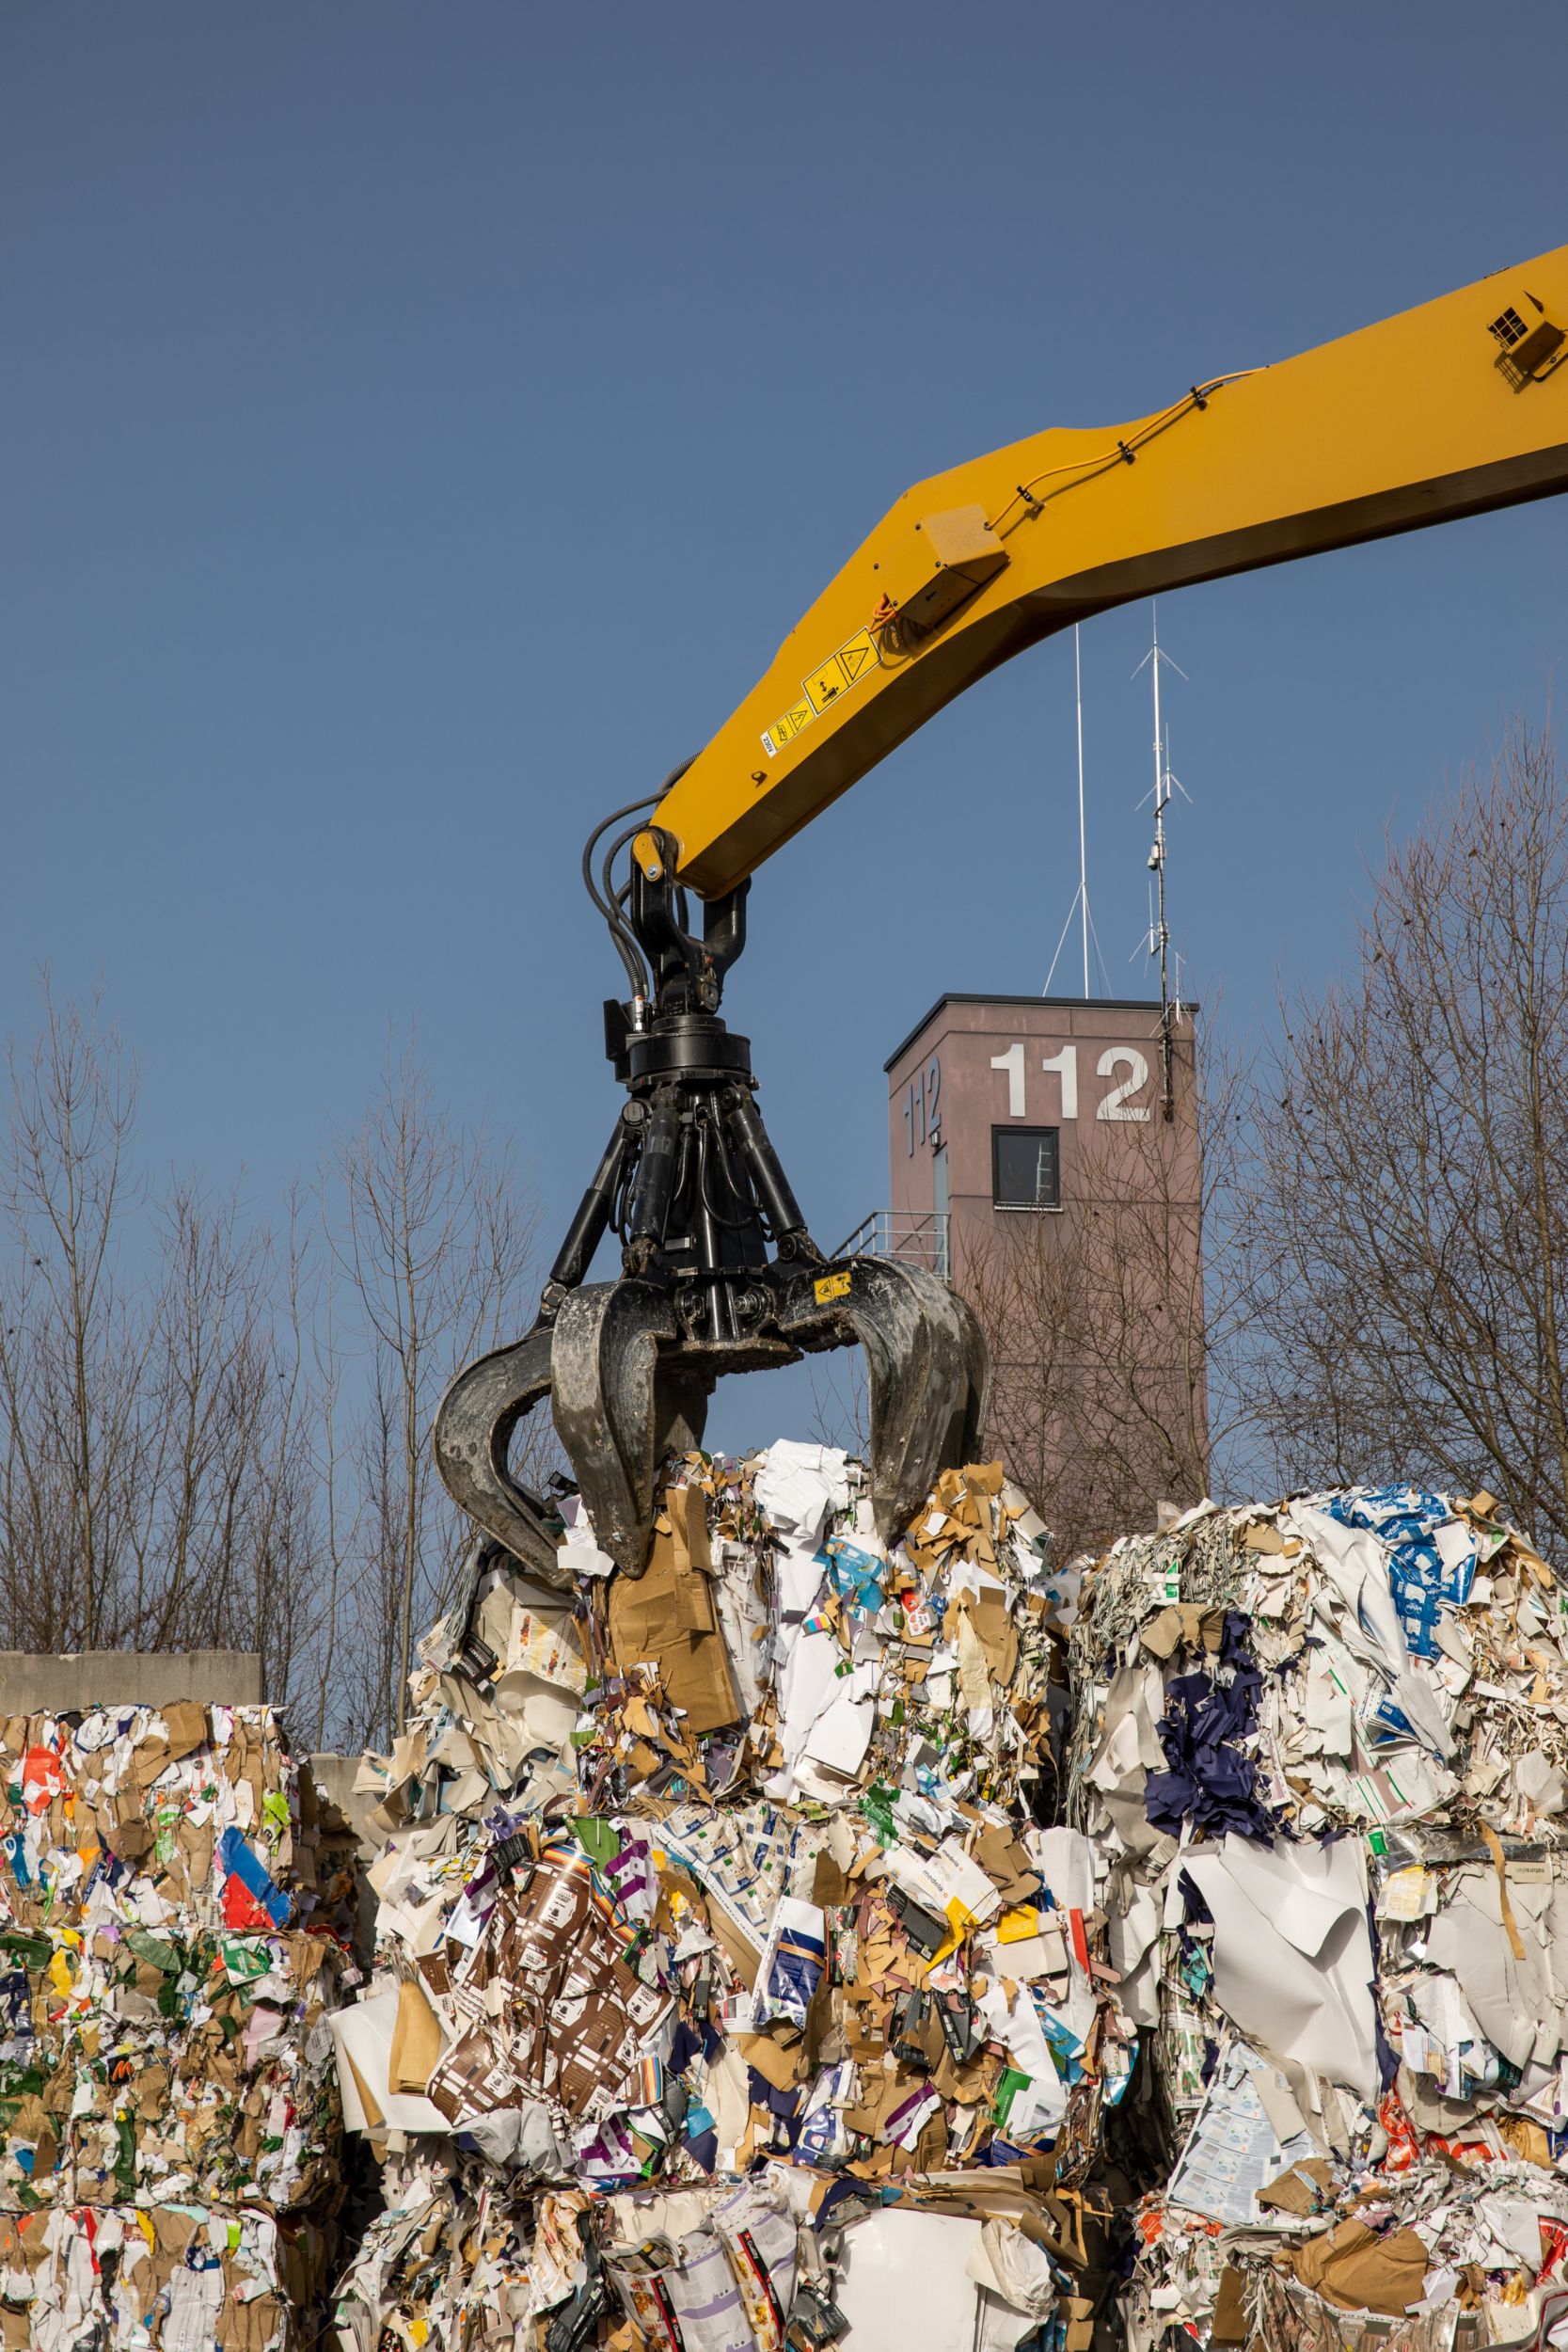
1449, 409
1446, 410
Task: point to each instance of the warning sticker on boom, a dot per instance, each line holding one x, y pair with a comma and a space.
825, 686
790, 723
846, 667
858, 655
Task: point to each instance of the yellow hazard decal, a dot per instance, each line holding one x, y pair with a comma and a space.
837, 675
789, 725
831, 1286
835, 678
825, 686
858, 656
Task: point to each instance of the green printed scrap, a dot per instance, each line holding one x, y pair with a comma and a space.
877, 1807
243, 1958
601, 1841
31, 1953
1007, 2089
155, 1951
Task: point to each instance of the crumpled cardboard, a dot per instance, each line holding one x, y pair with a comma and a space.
1354, 2267
668, 1615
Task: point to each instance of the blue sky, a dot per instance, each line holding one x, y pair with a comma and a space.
420, 426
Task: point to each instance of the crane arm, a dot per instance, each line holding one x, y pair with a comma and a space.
1449, 409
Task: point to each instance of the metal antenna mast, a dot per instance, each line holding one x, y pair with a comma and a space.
1165, 784
1083, 843
1081, 901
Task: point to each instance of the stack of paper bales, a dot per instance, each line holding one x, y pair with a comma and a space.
172, 1930
1322, 1748
733, 1990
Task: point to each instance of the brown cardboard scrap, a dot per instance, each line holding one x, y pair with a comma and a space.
1351, 2267
1080, 2324
782, 2063
1181, 1625
998, 1634
1304, 2189
1528, 2139
188, 1728
884, 2088
417, 2039
687, 1509
651, 1617
151, 2091
1005, 1859
691, 1559
1230, 2324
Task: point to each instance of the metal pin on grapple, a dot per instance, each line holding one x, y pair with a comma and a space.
692, 1186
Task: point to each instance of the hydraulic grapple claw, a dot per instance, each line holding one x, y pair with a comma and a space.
474, 1424
694, 1190
629, 1385
928, 1365
620, 1403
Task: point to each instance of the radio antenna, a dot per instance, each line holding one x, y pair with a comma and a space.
1081, 899
1158, 944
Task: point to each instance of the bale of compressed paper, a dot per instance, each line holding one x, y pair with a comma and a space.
163, 2035
172, 1935
726, 1940
179, 2275
1323, 1746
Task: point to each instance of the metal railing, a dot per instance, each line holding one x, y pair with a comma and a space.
924, 1238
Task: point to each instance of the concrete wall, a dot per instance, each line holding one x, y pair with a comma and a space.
32, 1685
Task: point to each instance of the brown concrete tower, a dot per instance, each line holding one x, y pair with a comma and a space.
1034, 1159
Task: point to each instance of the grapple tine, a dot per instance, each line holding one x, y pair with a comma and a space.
474, 1423
965, 1441
616, 1413
929, 1370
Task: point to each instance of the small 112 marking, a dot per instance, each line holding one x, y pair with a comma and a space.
923, 1106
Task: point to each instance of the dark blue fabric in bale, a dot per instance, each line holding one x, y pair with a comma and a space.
1210, 1781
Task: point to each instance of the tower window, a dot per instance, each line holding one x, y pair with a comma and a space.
1025, 1167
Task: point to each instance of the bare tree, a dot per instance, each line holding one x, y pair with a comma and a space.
150, 1399
841, 1401
69, 1365
1410, 1229
1114, 1328
431, 1246
216, 1434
